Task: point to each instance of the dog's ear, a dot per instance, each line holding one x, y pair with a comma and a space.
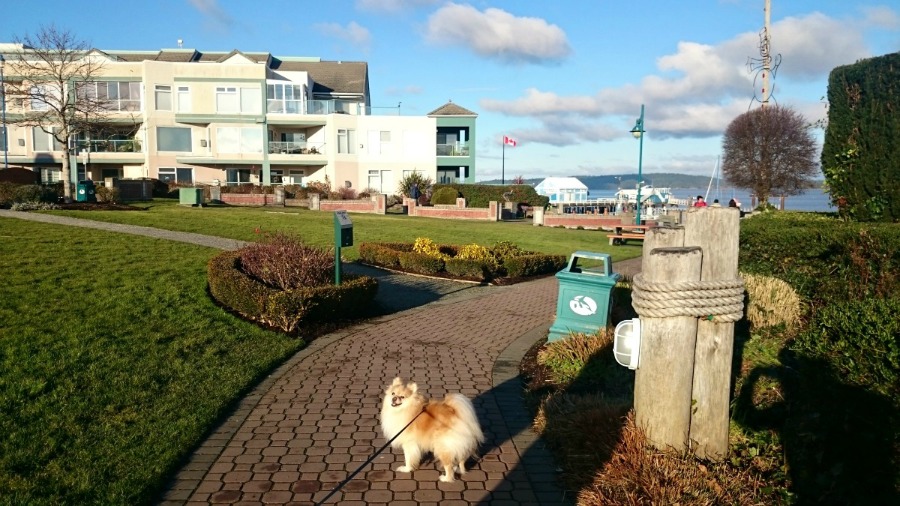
397, 382
413, 387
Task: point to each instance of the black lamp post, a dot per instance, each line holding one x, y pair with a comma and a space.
638, 133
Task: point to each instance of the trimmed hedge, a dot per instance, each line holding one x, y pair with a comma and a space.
479, 195
444, 196
533, 265
420, 263
286, 310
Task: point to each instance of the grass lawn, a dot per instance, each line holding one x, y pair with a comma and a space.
317, 228
114, 362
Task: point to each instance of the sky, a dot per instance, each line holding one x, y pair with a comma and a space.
566, 79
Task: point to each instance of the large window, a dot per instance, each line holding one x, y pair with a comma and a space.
117, 95
163, 97
176, 174
3, 135
379, 142
237, 176
184, 99
173, 139
284, 98
231, 99
44, 141
50, 175
239, 140
346, 141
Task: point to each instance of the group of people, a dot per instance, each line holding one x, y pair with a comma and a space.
701, 202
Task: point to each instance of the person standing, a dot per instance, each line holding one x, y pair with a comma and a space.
700, 202
414, 191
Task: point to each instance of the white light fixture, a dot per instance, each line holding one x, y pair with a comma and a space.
627, 343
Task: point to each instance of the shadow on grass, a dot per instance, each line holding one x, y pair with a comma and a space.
841, 441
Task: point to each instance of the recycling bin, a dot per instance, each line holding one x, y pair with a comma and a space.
85, 192
190, 196
585, 295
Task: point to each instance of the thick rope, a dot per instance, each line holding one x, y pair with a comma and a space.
719, 301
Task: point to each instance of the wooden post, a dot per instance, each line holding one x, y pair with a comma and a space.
716, 231
662, 385
661, 237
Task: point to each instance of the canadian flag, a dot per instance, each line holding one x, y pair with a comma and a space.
509, 141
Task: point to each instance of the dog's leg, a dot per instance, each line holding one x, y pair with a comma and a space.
462, 467
449, 467
412, 455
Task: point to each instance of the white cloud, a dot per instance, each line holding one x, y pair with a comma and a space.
392, 5
498, 34
882, 17
214, 12
353, 33
698, 90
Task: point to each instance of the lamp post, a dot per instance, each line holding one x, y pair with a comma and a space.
638, 133
3, 106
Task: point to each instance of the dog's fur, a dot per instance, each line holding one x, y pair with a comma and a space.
448, 429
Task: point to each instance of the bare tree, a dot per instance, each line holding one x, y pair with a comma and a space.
50, 80
770, 151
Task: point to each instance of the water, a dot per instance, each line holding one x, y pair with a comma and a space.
814, 199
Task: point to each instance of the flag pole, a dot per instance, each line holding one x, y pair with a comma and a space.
503, 164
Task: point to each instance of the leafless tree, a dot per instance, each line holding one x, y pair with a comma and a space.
49, 82
770, 151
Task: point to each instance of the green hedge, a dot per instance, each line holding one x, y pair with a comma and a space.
479, 195
533, 265
286, 310
822, 257
861, 339
420, 263
444, 196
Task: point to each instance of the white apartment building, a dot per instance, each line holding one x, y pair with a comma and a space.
233, 117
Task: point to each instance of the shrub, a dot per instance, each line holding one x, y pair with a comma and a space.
286, 309
428, 247
533, 265
383, 254
284, 262
405, 184
7, 193
322, 188
444, 196
478, 195
505, 249
567, 358
105, 194
468, 269
34, 206
771, 302
31, 193
861, 339
343, 193
421, 263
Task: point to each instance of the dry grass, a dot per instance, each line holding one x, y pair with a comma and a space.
568, 357
771, 302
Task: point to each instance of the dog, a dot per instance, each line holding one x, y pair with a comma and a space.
448, 429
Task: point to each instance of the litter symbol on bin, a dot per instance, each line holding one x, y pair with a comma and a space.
583, 305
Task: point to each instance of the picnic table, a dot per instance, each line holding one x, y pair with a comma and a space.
622, 233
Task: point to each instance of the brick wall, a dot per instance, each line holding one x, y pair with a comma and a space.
457, 212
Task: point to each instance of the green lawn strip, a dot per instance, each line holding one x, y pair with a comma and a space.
114, 362
316, 227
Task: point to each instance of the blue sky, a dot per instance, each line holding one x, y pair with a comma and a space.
565, 78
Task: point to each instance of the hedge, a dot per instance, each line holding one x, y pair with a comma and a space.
479, 195
533, 265
286, 310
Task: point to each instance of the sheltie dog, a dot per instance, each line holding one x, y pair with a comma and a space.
448, 429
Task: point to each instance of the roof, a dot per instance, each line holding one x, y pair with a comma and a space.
560, 183
451, 109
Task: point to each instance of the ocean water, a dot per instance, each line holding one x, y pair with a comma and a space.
811, 200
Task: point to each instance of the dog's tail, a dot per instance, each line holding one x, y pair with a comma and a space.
467, 416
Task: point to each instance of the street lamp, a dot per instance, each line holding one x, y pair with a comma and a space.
3, 106
638, 133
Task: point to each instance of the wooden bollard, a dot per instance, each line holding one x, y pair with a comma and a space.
716, 231
662, 385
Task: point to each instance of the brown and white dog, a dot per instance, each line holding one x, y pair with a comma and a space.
448, 429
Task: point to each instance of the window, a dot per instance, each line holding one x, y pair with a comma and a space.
44, 141
231, 99
276, 175
180, 175
50, 175
237, 176
116, 95
284, 98
239, 140
3, 139
40, 97
173, 139
346, 141
379, 142
163, 98
184, 99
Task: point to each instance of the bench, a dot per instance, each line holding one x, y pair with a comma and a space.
621, 238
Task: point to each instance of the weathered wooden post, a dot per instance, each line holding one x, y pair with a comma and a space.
662, 384
717, 232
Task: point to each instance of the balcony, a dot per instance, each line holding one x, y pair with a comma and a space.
283, 106
109, 146
456, 149
296, 148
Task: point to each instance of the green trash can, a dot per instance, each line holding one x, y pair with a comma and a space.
190, 196
84, 192
585, 295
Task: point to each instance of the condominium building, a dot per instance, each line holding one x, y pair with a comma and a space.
238, 117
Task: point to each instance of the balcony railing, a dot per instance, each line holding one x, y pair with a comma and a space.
281, 106
296, 148
452, 150
109, 146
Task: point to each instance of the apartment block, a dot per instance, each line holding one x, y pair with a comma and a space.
236, 117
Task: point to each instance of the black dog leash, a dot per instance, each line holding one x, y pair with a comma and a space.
367, 462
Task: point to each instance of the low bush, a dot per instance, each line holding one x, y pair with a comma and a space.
467, 269
105, 194
771, 302
405, 185
861, 339
444, 196
421, 263
479, 195
282, 261
383, 254
286, 310
533, 265
33, 206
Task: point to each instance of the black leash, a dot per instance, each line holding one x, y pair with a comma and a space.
367, 462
